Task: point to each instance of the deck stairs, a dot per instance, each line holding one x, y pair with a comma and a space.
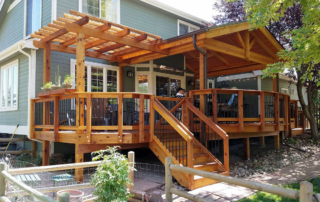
168, 141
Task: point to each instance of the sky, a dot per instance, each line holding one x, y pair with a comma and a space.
200, 8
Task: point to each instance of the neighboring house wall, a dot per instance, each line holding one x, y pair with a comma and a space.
12, 118
12, 28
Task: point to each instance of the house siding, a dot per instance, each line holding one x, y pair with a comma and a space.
267, 84
46, 12
64, 6
21, 115
12, 28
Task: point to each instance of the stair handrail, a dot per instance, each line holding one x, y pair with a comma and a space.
172, 120
205, 119
173, 109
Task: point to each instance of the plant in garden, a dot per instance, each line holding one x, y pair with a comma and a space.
46, 86
68, 79
111, 176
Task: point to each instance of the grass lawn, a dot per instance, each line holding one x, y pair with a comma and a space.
266, 197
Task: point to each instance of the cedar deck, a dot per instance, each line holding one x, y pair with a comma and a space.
194, 131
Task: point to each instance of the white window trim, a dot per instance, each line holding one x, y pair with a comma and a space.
53, 10
188, 24
118, 9
12, 108
25, 19
13, 4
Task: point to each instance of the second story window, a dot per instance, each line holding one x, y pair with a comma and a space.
9, 86
185, 27
105, 9
33, 16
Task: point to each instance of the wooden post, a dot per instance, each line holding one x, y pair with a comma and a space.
46, 62
3, 167
277, 141
151, 122
202, 81
168, 175
64, 197
45, 152
78, 175
296, 113
80, 56
276, 111
262, 142
131, 172
56, 118
262, 111
141, 119
246, 40
214, 106
120, 78
190, 162
120, 118
240, 111
306, 192
32, 113
275, 84
246, 144
89, 118
286, 113
34, 149
226, 153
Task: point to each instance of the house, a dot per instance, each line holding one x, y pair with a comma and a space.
127, 68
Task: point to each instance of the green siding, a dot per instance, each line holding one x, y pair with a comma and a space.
11, 30
21, 115
148, 18
267, 84
46, 12
128, 83
64, 6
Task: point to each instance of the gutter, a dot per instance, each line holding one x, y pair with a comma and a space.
204, 59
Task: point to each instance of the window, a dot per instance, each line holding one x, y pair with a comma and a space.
184, 27
33, 20
167, 87
9, 86
105, 9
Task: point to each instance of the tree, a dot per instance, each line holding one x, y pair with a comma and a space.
295, 25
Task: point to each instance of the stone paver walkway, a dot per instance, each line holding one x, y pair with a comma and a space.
220, 192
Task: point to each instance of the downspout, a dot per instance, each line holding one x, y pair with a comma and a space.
29, 84
204, 59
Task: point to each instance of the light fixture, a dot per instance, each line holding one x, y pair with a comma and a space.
130, 74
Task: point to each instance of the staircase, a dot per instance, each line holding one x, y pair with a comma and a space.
173, 138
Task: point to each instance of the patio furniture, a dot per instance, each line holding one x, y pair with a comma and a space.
63, 178
29, 179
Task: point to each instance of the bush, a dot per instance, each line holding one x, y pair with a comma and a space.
111, 176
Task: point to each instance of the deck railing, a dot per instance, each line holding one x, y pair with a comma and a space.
239, 108
85, 113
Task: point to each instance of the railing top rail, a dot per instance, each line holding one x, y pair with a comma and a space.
240, 182
18, 171
168, 98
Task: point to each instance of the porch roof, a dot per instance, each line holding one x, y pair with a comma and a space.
230, 48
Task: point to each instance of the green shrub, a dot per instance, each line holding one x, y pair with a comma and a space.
292, 141
111, 176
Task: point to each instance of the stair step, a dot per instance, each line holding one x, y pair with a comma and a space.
197, 177
183, 150
197, 158
201, 181
207, 166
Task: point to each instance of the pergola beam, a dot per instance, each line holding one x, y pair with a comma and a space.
112, 37
71, 50
228, 49
263, 45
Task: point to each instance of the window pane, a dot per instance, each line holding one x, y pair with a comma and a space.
162, 86
15, 85
29, 17
174, 84
36, 17
91, 7
183, 29
111, 81
9, 87
4, 76
143, 83
109, 10
96, 79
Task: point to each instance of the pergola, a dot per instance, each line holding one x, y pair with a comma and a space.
230, 48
